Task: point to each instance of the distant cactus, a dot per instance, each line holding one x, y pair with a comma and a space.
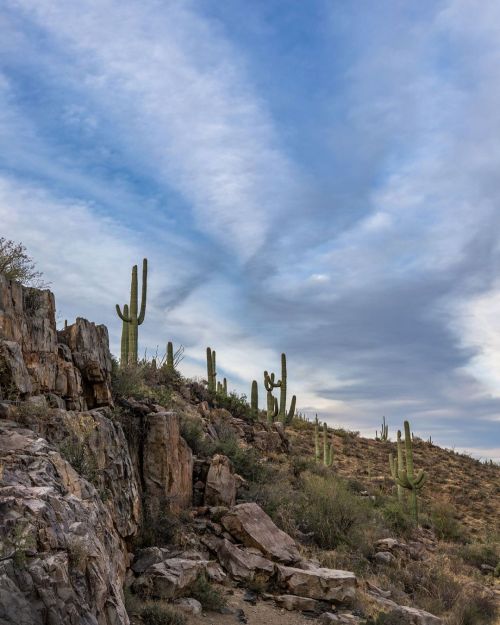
170, 356
327, 449
406, 478
131, 318
254, 399
317, 453
384, 432
272, 402
211, 370
224, 387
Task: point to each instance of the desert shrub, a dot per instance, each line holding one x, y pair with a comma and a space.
388, 618
192, 433
127, 381
236, 404
473, 609
331, 511
28, 411
160, 527
477, 553
210, 597
246, 460
159, 613
15, 264
445, 523
397, 520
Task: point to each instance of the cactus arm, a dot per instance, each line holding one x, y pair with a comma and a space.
123, 316
142, 313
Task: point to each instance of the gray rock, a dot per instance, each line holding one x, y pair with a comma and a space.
189, 605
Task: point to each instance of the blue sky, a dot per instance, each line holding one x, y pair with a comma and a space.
316, 177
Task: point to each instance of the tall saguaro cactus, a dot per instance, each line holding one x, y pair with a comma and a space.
272, 402
406, 478
400, 465
131, 318
284, 416
211, 370
254, 399
327, 449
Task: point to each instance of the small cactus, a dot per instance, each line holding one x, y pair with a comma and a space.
131, 318
406, 477
211, 370
384, 432
254, 399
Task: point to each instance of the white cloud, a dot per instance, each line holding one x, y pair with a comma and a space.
178, 95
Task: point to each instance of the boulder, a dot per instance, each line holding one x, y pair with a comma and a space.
221, 484
188, 605
294, 602
412, 616
242, 564
318, 583
170, 578
249, 524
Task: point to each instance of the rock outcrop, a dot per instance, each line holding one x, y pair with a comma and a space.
62, 558
221, 482
167, 465
74, 364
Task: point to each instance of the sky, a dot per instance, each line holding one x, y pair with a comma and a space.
319, 178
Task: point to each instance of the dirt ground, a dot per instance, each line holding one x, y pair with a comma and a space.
263, 613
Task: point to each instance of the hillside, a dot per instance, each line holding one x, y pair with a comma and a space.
134, 495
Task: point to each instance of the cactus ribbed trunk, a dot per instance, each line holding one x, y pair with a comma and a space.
211, 371
282, 413
254, 399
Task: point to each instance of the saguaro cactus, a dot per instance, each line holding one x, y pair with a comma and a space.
317, 453
211, 370
254, 399
384, 432
170, 356
327, 449
272, 402
284, 416
406, 478
132, 319
400, 465
124, 341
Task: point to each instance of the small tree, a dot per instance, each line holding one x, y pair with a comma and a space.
15, 264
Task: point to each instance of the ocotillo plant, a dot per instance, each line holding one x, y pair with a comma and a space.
132, 319
400, 465
406, 478
211, 370
284, 416
384, 432
327, 449
124, 341
272, 402
254, 399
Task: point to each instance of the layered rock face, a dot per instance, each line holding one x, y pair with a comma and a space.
64, 561
73, 366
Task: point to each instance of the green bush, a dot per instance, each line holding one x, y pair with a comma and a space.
210, 597
192, 433
158, 613
474, 609
333, 513
236, 404
445, 523
477, 553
